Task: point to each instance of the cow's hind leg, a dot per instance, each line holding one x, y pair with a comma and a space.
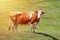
13, 27
9, 26
16, 26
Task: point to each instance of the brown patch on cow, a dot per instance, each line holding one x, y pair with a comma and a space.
36, 11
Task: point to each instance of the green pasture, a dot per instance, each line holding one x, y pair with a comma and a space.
48, 27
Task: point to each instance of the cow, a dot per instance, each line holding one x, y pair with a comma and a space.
31, 18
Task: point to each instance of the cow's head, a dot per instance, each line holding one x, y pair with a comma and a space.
40, 13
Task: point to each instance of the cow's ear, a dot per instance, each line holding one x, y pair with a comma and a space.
43, 13
36, 11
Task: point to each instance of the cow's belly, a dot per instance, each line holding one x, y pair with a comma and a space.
23, 20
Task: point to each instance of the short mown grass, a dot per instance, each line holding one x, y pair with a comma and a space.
48, 27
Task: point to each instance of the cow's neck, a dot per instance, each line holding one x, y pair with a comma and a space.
39, 14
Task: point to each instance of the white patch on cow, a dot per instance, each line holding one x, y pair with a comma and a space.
39, 13
30, 15
18, 12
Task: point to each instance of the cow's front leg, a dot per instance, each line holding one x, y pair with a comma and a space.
32, 28
35, 26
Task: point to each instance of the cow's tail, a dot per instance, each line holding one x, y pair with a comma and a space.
9, 24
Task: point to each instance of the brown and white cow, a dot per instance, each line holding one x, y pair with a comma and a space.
31, 18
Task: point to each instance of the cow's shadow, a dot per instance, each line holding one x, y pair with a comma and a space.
47, 35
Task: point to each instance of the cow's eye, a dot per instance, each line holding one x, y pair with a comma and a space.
43, 13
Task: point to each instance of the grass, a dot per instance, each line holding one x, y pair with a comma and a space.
49, 25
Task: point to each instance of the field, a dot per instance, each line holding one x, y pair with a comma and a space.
48, 27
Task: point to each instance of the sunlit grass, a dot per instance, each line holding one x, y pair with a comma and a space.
49, 23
